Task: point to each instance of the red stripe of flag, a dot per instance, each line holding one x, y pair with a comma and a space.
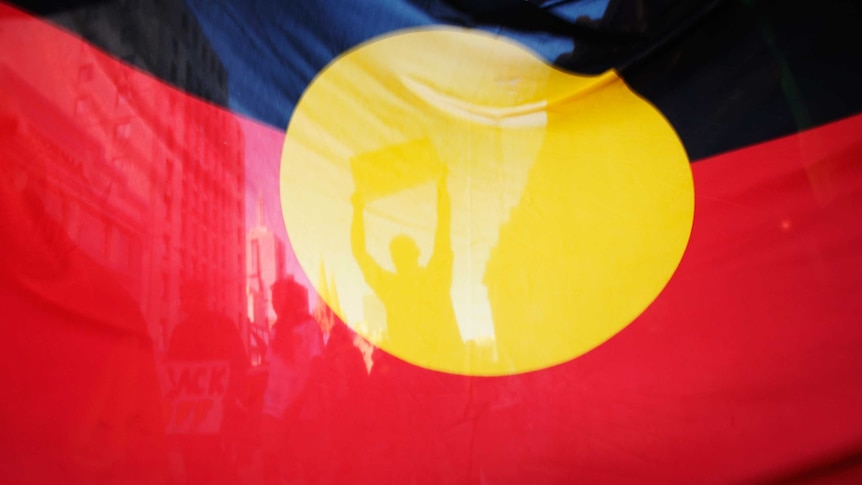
746, 368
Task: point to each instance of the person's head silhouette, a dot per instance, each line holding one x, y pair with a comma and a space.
405, 254
289, 300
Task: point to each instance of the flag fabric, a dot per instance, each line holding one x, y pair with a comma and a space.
640, 217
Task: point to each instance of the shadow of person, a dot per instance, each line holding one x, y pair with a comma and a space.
420, 316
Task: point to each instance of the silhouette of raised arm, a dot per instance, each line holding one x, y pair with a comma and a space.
373, 272
442, 258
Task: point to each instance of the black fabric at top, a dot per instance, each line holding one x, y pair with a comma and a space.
726, 73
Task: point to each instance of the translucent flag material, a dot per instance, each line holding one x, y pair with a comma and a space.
595, 241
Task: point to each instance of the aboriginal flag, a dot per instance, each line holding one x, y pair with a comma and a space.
430, 241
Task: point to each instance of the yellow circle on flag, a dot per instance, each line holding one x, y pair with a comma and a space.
473, 210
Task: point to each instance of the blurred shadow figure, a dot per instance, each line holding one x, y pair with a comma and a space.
419, 311
297, 343
203, 334
204, 339
334, 405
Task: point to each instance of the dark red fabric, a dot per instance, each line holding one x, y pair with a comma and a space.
745, 369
